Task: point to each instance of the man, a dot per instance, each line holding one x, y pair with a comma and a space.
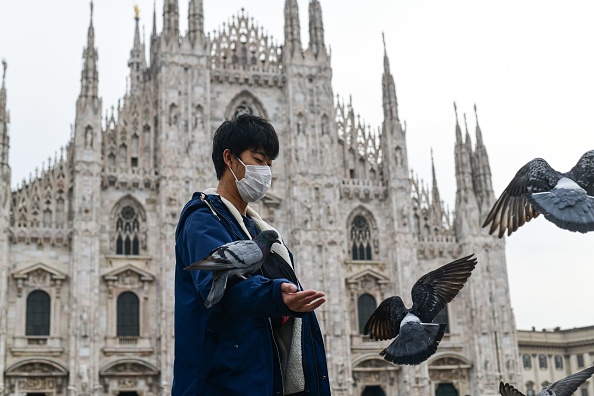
262, 338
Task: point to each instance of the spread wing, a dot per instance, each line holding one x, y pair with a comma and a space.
233, 255
568, 385
434, 290
512, 209
508, 390
583, 172
384, 323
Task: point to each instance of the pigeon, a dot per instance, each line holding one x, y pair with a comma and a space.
234, 259
565, 199
416, 337
565, 387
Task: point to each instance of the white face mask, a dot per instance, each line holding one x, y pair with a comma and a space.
255, 183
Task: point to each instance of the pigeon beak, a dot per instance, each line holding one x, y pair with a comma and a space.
278, 241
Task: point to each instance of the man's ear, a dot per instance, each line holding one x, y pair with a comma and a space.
227, 155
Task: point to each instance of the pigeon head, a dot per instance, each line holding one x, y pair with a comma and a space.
268, 238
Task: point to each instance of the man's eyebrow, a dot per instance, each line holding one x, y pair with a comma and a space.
259, 152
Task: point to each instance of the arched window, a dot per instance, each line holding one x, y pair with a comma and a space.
580, 360
445, 389
527, 361
373, 391
530, 387
443, 317
127, 230
360, 239
365, 305
558, 362
128, 315
38, 314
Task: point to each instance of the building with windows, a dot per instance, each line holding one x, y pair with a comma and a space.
550, 355
87, 243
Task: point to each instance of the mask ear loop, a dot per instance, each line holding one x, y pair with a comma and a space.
233, 173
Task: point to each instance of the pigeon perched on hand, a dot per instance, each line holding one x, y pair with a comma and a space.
565, 387
565, 199
416, 337
234, 259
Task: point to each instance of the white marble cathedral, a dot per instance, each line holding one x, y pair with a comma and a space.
87, 244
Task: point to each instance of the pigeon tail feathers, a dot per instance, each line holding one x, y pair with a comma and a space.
415, 343
570, 209
217, 290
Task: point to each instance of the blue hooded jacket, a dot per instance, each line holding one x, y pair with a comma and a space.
229, 349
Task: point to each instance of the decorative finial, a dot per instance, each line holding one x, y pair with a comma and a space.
136, 11
456, 111
5, 66
384, 40
91, 10
475, 114
431, 155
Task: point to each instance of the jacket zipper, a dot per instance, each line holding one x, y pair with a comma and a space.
216, 213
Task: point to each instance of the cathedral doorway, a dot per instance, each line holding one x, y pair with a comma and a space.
446, 390
373, 391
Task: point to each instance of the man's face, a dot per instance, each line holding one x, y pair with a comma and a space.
249, 157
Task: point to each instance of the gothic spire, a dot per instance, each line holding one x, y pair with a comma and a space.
458, 130
292, 29
389, 89
467, 137
479, 133
316, 29
154, 32
196, 22
435, 198
3, 91
171, 19
137, 61
4, 120
90, 72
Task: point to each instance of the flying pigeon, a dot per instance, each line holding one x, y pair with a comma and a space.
565, 387
565, 199
234, 259
416, 337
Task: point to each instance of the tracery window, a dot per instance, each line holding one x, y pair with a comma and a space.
365, 305
127, 230
128, 320
242, 109
38, 314
360, 239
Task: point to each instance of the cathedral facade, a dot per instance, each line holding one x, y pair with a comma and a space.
87, 244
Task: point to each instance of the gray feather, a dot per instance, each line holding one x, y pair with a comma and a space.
237, 259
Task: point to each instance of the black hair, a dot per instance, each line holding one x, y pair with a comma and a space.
244, 132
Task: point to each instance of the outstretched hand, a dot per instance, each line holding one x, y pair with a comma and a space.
301, 301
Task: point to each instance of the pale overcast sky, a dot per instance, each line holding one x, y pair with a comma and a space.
529, 67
